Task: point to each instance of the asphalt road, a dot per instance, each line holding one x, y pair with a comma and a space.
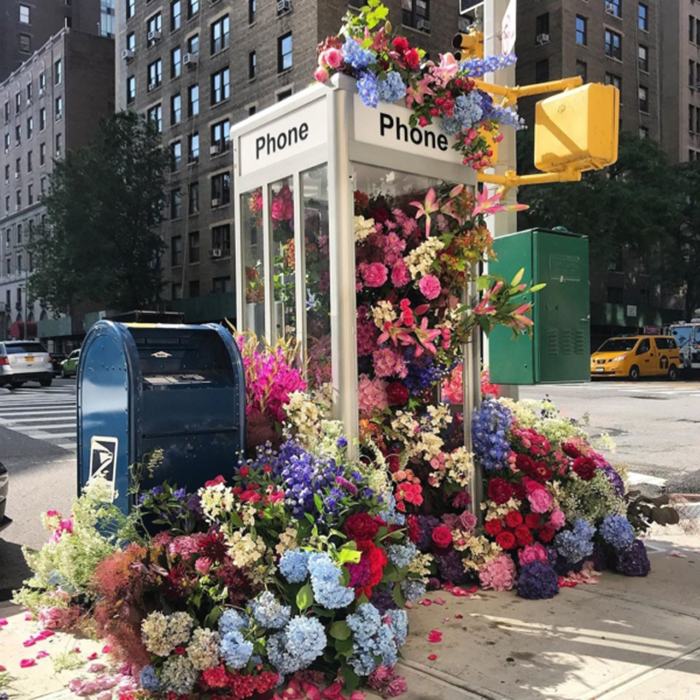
656, 426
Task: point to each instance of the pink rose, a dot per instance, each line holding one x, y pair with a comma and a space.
532, 553
430, 287
467, 521
540, 500
321, 74
333, 58
374, 274
203, 564
557, 519
282, 209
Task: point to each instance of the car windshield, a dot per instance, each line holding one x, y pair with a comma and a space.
618, 345
23, 348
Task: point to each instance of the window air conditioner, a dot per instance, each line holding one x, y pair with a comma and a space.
215, 202
190, 60
283, 6
216, 253
423, 25
154, 36
542, 39
215, 149
127, 54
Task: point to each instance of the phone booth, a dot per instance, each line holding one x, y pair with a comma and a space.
297, 166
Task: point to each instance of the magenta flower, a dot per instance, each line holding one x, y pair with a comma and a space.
374, 274
430, 287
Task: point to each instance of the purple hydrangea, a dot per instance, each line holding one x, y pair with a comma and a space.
633, 561
383, 600
392, 88
451, 567
537, 581
426, 523
576, 544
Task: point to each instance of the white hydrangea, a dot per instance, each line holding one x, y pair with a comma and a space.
420, 566
244, 549
420, 260
288, 540
479, 551
179, 628
203, 650
154, 634
459, 466
178, 675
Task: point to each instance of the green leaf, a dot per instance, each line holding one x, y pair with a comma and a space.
537, 287
349, 556
344, 647
305, 597
483, 283
339, 630
398, 597
319, 503
352, 680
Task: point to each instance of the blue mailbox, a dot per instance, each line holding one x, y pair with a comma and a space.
143, 387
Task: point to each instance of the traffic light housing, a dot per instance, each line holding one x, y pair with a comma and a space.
468, 45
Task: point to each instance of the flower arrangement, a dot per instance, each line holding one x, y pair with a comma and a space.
388, 69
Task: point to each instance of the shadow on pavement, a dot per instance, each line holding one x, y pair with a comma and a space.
13, 568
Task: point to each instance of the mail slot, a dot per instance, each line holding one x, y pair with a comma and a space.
147, 387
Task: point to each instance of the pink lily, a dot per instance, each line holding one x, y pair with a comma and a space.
417, 94
486, 204
447, 68
426, 337
522, 309
427, 208
483, 308
393, 332
523, 320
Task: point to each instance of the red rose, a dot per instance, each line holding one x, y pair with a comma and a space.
400, 43
571, 449
523, 535
500, 491
493, 527
546, 533
442, 536
525, 463
585, 468
532, 521
244, 471
377, 559
361, 526
412, 58
506, 540
394, 463
397, 393
215, 482
413, 528
514, 518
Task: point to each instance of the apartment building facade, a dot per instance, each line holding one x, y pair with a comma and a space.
195, 67
51, 104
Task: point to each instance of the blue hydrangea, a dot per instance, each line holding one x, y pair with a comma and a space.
450, 125
469, 110
577, 544
412, 589
402, 554
392, 88
327, 582
399, 626
373, 641
148, 679
478, 67
389, 512
301, 642
269, 612
356, 56
294, 565
235, 649
231, 621
367, 89
490, 424
617, 531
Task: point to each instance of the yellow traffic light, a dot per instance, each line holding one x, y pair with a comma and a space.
470, 45
578, 129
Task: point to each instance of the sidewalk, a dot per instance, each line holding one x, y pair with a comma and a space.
636, 639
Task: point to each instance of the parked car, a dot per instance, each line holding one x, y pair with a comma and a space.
4, 485
56, 359
637, 356
69, 367
24, 361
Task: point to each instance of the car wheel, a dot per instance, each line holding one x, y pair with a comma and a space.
672, 373
63, 373
46, 382
16, 385
634, 373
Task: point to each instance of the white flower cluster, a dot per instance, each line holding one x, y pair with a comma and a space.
383, 312
420, 260
178, 675
496, 511
459, 466
244, 549
288, 540
420, 566
303, 413
203, 650
215, 501
364, 228
161, 633
480, 551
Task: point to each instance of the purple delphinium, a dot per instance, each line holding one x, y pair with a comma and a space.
489, 426
614, 478
426, 523
451, 567
537, 581
633, 561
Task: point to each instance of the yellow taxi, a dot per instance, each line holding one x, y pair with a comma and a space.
637, 356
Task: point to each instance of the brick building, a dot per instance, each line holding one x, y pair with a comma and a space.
51, 104
198, 66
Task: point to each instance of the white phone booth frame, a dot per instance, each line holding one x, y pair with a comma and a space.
329, 125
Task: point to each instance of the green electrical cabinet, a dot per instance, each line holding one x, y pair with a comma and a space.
559, 350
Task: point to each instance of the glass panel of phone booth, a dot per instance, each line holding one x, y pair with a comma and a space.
253, 254
281, 199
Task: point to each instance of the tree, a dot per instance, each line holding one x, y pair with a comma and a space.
99, 242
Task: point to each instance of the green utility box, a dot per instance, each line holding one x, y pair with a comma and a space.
559, 350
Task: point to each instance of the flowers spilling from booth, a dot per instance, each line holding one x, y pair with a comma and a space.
389, 69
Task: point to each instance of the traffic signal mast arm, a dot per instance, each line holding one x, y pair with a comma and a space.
513, 94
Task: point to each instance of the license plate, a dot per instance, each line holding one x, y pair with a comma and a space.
29, 358
600, 369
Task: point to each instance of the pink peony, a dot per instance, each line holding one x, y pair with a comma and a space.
532, 553
430, 287
498, 574
321, 74
371, 395
400, 276
374, 274
557, 519
540, 500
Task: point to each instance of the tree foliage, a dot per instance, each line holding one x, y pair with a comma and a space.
99, 244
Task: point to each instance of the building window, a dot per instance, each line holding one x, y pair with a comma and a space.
221, 239
30, 127
691, 74
613, 44
130, 8
193, 202
614, 80
614, 7
192, 8
42, 154
18, 198
42, 80
30, 194
643, 17
18, 135
29, 92
176, 290
194, 288
18, 102
643, 132
25, 43
284, 52
220, 86
30, 163
25, 16
284, 94
615, 295
154, 27
643, 99
221, 285
131, 41
697, 120
582, 70
155, 117
193, 247
252, 65
416, 13
155, 73
7, 174
220, 34
252, 10
58, 108
57, 72
581, 30
691, 119
542, 71
193, 100
252, 109
193, 148
193, 44
221, 189
18, 166
42, 185
175, 15
643, 58
130, 89
221, 135
175, 109
542, 28
175, 156
176, 62
176, 250
7, 112
175, 203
